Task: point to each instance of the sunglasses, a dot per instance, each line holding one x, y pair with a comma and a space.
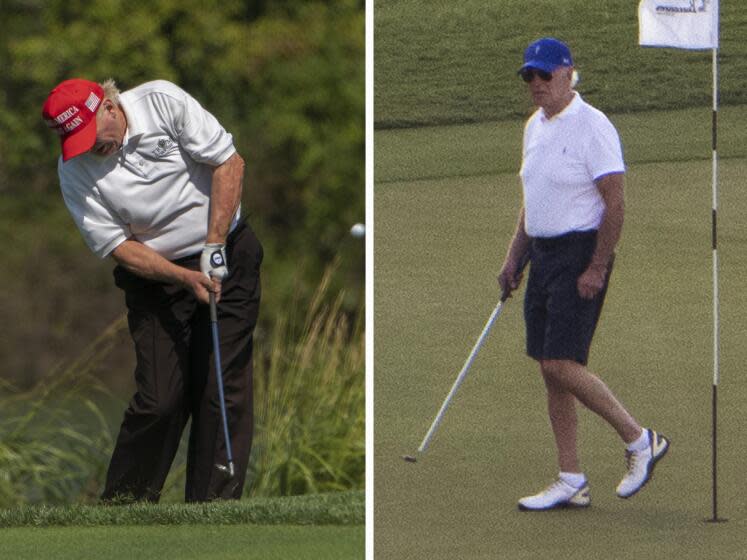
529, 74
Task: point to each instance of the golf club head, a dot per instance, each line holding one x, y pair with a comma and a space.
410, 458
228, 469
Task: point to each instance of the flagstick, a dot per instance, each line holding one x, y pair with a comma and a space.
714, 239
688, 28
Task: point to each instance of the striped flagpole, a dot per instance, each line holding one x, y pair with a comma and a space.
714, 245
690, 28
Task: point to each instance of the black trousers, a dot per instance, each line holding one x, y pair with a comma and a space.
175, 380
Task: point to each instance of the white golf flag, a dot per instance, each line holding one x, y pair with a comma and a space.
683, 24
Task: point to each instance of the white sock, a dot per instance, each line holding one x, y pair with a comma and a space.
641, 443
577, 480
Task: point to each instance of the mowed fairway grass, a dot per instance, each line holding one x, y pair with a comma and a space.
445, 201
198, 542
309, 527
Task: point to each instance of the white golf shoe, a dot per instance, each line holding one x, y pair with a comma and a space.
641, 464
559, 494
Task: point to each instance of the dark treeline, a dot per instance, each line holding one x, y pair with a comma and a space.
285, 78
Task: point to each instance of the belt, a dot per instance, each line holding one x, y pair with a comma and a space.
191, 259
549, 243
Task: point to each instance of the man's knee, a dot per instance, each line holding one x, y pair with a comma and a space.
161, 409
558, 373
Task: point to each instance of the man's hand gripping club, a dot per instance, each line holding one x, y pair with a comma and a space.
214, 265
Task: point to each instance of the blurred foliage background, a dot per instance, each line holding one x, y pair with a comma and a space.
286, 78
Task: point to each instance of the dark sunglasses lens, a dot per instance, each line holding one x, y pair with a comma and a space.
528, 75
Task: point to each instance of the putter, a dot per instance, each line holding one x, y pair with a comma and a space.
219, 377
465, 368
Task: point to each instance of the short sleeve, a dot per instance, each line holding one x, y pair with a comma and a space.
101, 229
200, 134
604, 149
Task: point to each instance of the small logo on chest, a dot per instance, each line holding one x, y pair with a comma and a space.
163, 147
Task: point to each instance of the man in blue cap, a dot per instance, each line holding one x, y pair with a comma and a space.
572, 175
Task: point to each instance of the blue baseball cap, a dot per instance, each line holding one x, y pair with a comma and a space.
547, 54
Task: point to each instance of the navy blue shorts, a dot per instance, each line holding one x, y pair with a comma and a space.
559, 322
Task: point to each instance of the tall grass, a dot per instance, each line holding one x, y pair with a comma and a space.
310, 403
54, 439
309, 388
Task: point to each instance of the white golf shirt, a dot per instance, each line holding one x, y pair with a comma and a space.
156, 189
563, 156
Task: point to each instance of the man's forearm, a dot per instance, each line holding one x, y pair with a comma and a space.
520, 241
607, 238
146, 263
225, 197
611, 188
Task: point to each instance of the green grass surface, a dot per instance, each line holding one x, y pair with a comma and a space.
187, 542
469, 150
328, 526
445, 212
443, 62
341, 508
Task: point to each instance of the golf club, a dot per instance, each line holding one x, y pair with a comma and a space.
465, 368
219, 377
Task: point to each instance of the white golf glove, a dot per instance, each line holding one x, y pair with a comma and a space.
213, 261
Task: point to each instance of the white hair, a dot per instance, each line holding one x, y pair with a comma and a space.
111, 91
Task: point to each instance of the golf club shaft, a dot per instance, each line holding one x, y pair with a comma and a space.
471, 358
219, 379
462, 374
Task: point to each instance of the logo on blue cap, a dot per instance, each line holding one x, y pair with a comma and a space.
547, 54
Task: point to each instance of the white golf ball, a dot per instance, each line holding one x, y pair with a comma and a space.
358, 230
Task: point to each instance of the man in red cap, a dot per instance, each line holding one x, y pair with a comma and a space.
152, 179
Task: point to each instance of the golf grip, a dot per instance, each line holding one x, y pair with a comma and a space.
219, 379
471, 358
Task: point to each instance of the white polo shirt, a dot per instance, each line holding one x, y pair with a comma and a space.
562, 158
156, 189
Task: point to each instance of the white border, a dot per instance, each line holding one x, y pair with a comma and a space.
369, 280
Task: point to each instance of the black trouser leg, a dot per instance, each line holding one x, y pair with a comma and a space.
207, 443
156, 416
238, 311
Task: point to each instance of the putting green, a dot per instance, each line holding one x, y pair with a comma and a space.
445, 209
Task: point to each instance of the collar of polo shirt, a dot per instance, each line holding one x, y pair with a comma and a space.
568, 110
134, 126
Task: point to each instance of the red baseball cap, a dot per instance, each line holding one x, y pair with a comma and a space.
70, 110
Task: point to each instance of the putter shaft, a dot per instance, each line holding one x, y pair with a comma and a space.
462, 374
523, 261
